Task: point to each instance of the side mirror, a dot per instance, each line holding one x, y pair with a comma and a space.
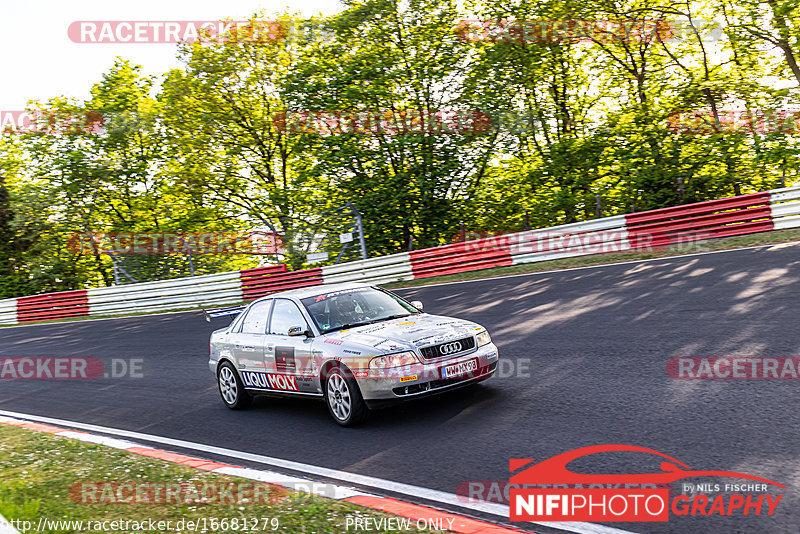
297, 330
417, 304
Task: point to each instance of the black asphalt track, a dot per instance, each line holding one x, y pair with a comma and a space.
585, 364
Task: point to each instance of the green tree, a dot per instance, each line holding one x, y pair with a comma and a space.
219, 116
391, 61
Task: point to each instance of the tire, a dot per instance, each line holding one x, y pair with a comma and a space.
231, 388
343, 398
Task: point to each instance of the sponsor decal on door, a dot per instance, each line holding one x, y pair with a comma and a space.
284, 360
269, 381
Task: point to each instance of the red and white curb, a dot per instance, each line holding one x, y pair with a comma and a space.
457, 523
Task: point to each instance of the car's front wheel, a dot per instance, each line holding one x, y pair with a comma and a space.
231, 388
344, 399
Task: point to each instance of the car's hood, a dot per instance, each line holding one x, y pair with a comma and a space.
406, 333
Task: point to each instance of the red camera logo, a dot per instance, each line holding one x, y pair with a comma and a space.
624, 504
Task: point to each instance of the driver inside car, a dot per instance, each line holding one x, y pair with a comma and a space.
347, 310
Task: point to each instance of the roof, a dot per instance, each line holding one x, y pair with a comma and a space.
313, 291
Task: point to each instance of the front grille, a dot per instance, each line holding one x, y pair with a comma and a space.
446, 349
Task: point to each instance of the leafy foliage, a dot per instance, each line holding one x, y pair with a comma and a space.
426, 123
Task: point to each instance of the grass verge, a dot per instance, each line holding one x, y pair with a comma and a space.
38, 470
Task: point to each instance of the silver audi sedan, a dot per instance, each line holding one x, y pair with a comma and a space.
355, 346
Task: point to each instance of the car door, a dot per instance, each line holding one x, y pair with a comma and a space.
248, 341
289, 356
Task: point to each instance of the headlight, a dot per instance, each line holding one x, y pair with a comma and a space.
483, 338
393, 360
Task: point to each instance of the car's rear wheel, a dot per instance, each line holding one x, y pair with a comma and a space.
231, 388
344, 399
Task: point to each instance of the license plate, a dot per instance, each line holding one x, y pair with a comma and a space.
460, 368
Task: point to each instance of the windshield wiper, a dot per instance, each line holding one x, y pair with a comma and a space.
392, 317
355, 325
345, 326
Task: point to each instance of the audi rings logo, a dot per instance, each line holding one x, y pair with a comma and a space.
450, 348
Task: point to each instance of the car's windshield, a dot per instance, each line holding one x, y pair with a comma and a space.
355, 307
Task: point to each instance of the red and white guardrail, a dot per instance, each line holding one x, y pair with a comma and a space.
744, 214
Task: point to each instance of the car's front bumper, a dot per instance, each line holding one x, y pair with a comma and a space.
413, 381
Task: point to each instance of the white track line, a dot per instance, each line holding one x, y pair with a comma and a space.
6, 527
419, 492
